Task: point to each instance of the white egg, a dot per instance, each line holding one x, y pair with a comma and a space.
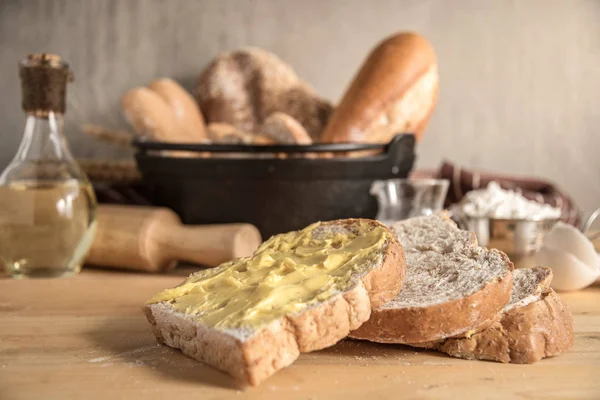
571, 240
569, 272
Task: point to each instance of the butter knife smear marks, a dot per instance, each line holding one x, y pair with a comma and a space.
571, 256
287, 274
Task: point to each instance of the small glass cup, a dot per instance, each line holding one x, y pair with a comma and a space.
400, 199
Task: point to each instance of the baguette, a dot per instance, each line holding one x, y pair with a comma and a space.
395, 91
452, 285
535, 324
336, 271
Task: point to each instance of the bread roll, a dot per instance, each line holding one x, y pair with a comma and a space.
164, 111
284, 129
183, 105
151, 116
221, 133
242, 88
395, 91
311, 111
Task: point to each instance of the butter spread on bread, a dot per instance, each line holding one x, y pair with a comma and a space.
300, 291
285, 275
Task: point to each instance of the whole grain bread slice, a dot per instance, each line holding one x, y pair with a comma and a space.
253, 353
452, 285
535, 324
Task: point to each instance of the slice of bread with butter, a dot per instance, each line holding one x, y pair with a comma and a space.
300, 291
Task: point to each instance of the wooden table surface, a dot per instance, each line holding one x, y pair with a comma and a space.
85, 337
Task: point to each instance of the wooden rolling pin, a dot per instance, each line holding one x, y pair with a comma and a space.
153, 239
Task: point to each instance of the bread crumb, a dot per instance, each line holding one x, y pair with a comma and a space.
428, 387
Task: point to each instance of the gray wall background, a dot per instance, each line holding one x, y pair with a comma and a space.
520, 82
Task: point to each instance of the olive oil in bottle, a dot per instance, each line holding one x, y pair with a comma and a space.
46, 227
47, 205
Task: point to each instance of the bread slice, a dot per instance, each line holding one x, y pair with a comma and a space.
452, 285
535, 324
335, 300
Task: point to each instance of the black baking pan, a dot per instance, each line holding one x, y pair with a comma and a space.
275, 194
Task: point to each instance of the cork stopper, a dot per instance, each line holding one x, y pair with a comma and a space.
44, 80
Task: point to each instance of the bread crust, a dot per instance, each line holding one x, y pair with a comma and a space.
523, 335
279, 343
395, 66
424, 324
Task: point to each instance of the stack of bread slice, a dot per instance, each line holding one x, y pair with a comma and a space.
466, 300
306, 290
534, 324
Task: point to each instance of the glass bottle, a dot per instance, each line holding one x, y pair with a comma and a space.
47, 205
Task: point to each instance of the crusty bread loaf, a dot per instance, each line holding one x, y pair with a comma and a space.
535, 324
253, 353
244, 87
394, 92
452, 285
282, 128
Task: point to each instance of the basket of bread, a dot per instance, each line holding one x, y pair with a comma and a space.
254, 143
